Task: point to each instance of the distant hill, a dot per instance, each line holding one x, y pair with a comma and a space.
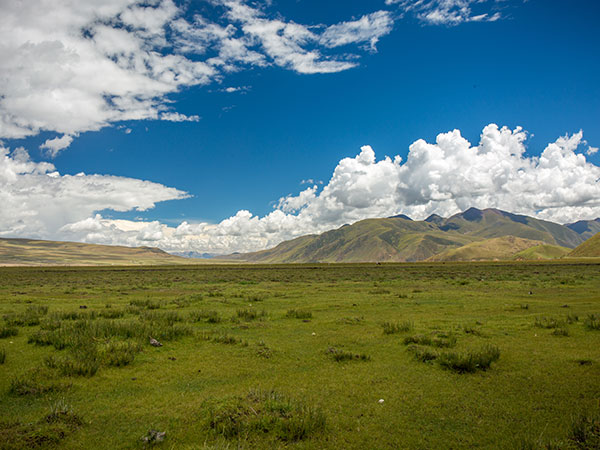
585, 228
399, 238
28, 252
500, 248
589, 249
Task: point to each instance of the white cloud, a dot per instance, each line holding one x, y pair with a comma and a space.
449, 12
57, 144
367, 29
444, 177
71, 66
37, 201
592, 151
233, 89
177, 117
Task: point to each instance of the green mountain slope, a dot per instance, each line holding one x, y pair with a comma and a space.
399, 238
543, 251
505, 247
391, 239
589, 249
33, 252
490, 223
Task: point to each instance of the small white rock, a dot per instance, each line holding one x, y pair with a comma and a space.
381, 400
314, 334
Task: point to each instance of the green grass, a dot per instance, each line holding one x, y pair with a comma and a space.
459, 362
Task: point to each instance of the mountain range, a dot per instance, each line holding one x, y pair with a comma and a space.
470, 235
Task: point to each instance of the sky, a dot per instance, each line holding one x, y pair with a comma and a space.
216, 126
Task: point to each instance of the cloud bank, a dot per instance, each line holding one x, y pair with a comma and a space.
444, 177
71, 66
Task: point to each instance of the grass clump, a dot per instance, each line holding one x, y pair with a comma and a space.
471, 361
73, 315
29, 318
47, 432
298, 314
561, 331
34, 383
224, 339
397, 327
423, 354
585, 432
548, 322
592, 322
265, 413
84, 361
206, 316
250, 314
163, 317
119, 354
111, 313
441, 340
8, 332
341, 355
2, 356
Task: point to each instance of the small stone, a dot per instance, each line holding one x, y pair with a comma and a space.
381, 400
172, 358
155, 343
314, 334
154, 436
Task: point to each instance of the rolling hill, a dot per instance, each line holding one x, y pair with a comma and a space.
500, 248
397, 239
589, 249
28, 252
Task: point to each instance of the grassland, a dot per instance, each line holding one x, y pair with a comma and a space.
453, 355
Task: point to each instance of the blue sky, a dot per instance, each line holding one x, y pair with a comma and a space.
421, 69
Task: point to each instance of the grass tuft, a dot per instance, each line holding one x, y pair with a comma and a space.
585, 431
8, 331
397, 327
265, 413
592, 322
341, 355
207, 316
298, 314
250, 314
471, 361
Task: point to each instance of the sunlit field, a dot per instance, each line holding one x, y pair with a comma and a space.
490, 355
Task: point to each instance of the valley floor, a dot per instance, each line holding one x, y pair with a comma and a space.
439, 355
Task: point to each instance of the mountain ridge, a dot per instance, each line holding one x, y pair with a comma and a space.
402, 239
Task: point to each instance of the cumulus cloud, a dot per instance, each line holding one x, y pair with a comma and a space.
53, 146
450, 12
37, 201
72, 66
443, 177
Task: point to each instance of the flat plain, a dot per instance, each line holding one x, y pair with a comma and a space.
427, 355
